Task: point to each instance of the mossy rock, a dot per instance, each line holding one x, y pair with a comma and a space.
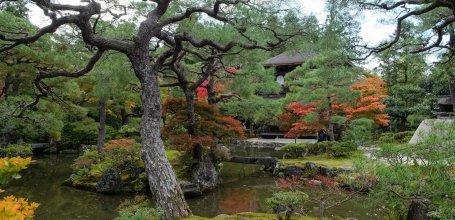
131, 170
247, 216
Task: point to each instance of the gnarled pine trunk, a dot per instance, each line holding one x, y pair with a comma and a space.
329, 117
166, 192
102, 128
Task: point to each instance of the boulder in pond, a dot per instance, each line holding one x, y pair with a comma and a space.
110, 182
205, 175
190, 190
290, 171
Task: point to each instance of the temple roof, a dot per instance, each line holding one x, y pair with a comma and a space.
288, 59
445, 100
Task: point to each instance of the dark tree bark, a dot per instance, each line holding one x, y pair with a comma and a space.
166, 191
16, 84
102, 128
125, 117
452, 94
329, 117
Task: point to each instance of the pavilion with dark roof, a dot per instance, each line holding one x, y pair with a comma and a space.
287, 62
283, 64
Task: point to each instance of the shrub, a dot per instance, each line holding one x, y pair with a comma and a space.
341, 149
119, 143
335, 149
87, 160
400, 137
359, 131
16, 150
222, 154
10, 206
302, 149
138, 209
287, 200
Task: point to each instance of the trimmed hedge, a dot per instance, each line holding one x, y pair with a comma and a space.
333, 148
16, 150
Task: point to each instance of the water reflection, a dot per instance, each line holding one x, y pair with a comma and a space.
244, 188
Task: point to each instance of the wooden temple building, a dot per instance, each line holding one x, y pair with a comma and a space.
283, 64
445, 107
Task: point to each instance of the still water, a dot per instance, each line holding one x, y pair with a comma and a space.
244, 188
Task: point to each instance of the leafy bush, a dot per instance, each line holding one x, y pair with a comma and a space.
289, 201
15, 150
302, 149
400, 137
357, 181
119, 143
10, 206
333, 148
138, 209
359, 131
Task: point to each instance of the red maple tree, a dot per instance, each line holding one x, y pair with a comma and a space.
368, 105
211, 125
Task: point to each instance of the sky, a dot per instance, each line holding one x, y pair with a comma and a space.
373, 31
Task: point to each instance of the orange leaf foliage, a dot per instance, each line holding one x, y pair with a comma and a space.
119, 143
12, 208
368, 105
211, 125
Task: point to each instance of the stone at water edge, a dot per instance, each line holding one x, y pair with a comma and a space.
110, 182
190, 190
290, 171
205, 175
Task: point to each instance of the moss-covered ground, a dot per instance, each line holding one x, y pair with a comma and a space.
321, 160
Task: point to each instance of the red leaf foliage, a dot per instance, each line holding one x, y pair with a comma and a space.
369, 105
211, 125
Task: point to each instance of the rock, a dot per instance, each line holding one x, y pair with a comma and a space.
110, 182
310, 170
328, 171
292, 171
190, 190
418, 210
205, 175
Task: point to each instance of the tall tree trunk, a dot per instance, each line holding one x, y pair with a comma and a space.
329, 117
166, 192
5, 88
125, 117
452, 94
190, 112
211, 93
16, 84
102, 128
191, 126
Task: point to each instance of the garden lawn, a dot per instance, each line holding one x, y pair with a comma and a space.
321, 160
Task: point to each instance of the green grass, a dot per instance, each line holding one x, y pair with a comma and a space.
173, 154
321, 160
247, 216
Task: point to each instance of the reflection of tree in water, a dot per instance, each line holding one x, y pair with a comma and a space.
239, 200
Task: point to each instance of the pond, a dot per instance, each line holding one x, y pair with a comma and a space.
244, 188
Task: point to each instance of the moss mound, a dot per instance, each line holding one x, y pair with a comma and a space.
124, 163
